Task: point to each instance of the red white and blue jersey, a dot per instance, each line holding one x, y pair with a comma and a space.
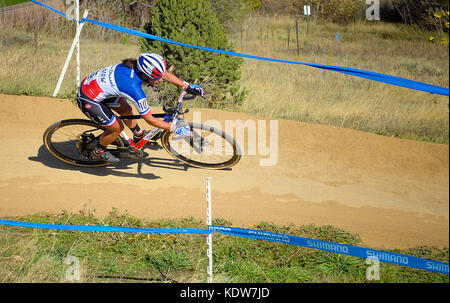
116, 81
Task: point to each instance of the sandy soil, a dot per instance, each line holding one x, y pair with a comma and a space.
393, 193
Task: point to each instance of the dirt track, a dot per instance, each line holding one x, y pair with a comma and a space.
393, 193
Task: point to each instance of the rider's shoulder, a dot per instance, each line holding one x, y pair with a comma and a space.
122, 68
123, 71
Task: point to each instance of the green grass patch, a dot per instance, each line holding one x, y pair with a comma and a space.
11, 2
35, 255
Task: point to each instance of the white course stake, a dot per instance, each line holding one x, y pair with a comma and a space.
69, 55
209, 237
78, 45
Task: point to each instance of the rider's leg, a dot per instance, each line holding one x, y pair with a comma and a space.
126, 110
110, 134
107, 137
101, 114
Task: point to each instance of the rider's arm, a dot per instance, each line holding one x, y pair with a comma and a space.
137, 96
156, 122
171, 78
191, 89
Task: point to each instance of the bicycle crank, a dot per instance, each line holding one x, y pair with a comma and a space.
129, 153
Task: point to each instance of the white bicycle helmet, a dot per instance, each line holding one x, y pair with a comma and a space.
151, 64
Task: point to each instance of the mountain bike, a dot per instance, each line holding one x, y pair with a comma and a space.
72, 141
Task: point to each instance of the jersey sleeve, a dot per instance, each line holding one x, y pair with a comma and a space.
142, 107
129, 86
137, 97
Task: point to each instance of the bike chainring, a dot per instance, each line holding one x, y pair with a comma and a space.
87, 141
132, 153
85, 144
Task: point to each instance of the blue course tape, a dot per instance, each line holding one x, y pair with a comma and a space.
345, 70
105, 228
382, 256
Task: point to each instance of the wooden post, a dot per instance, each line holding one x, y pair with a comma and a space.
209, 252
261, 32
36, 31
241, 37
289, 37
307, 13
296, 31
307, 24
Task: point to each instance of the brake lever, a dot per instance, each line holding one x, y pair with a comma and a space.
190, 97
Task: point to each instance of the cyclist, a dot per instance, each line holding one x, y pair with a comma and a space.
108, 89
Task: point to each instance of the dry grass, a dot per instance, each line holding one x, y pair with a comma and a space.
312, 95
30, 16
37, 72
279, 90
35, 266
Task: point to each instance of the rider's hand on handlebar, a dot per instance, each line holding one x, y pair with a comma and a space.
183, 131
193, 89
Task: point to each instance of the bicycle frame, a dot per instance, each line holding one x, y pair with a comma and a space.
80, 153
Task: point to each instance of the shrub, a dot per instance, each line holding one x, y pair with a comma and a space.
420, 13
193, 22
232, 13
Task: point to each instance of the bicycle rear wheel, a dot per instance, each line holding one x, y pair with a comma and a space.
71, 141
208, 147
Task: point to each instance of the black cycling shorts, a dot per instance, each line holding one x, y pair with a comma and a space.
99, 112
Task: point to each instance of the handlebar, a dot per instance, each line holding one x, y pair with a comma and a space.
178, 108
183, 97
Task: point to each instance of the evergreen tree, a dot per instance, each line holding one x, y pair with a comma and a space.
193, 22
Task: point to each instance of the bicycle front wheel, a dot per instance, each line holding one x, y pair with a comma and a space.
207, 147
72, 140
